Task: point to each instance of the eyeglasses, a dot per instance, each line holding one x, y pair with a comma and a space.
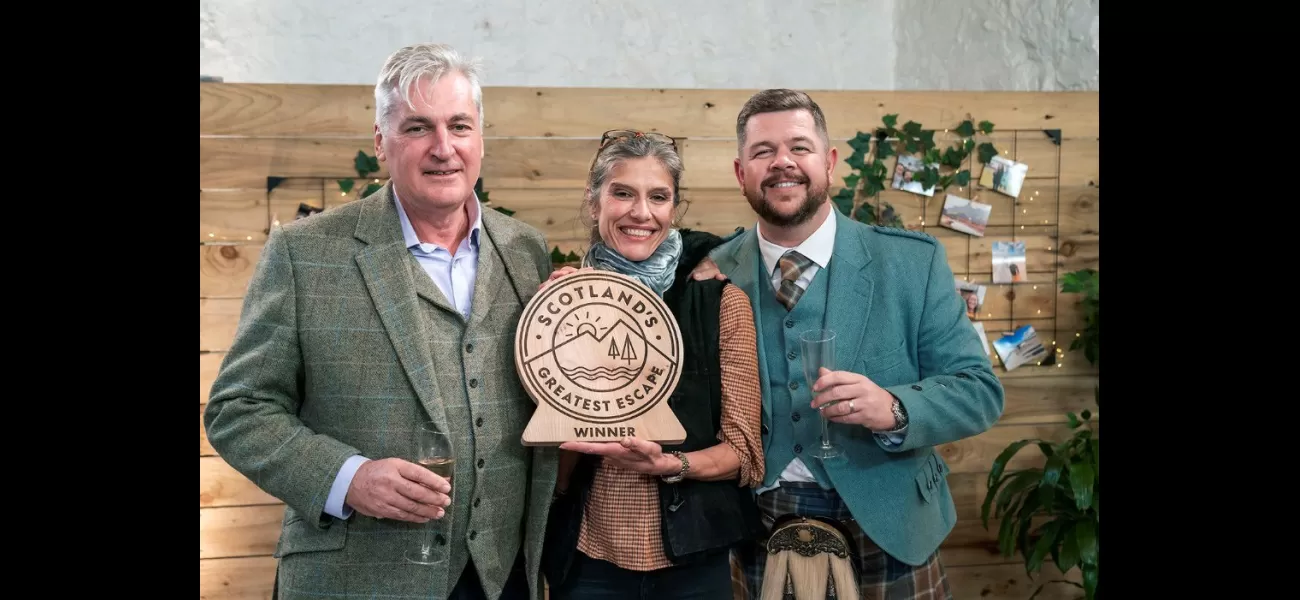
622, 134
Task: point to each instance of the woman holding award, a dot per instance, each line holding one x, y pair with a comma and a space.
633, 518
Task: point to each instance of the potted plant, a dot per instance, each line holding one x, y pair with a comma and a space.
1055, 511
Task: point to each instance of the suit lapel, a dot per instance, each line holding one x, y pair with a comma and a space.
745, 269
849, 286
488, 279
385, 265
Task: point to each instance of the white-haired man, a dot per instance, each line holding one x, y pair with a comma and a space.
361, 323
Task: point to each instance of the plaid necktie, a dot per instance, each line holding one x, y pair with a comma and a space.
792, 265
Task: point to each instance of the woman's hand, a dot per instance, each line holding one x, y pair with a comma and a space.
556, 274
632, 454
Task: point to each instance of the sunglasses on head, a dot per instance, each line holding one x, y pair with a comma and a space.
622, 134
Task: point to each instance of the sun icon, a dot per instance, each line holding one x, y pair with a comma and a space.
572, 330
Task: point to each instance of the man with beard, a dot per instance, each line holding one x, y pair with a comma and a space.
910, 373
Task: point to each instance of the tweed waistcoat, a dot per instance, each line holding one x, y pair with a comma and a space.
486, 411
796, 428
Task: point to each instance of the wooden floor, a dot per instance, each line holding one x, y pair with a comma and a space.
539, 145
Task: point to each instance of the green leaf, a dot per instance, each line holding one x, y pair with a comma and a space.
1047, 485
952, 157
1000, 463
861, 141
968, 145
1086, 534
371, 188
851, 181
346, 185
890, 120
884, 149
1069, 550
362, 164
889, 217
857, 160
557, 256
987, 152
572, 257
843, 200
1090, 581
912, 129
932, 155
963, 177
1072, 420
1081, 481
1043, 546
927, 141
986, 127
866, 213
505, 211
875, 185
966, 129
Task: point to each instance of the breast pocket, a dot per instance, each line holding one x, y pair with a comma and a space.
885, 363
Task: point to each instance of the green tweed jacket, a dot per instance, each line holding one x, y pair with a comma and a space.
900, 322
343, 346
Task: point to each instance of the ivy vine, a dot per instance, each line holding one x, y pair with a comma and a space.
867, 175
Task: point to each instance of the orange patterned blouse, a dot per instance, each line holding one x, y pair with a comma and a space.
621, 519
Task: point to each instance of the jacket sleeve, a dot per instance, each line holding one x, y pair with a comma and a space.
251, 417
958, 395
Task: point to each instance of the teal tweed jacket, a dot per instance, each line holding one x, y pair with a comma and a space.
901, 323
344, 345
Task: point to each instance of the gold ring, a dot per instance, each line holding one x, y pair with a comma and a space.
850, 407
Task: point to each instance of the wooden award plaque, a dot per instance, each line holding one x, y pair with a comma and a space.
600, 354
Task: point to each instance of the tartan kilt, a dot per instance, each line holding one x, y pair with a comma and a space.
880, 576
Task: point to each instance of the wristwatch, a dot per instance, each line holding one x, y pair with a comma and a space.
686, 467
900, 415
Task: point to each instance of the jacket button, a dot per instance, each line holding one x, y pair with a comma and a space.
916, 387
789, 324
476, 500
764, 428
798, 448
794, 385
478, 422
473, 534
474, 383
469, 347
791, 355
963, 376
795, 417
442, 541
480, 463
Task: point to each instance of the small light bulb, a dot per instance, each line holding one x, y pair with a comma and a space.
1036, 287
1040, 311
212, 235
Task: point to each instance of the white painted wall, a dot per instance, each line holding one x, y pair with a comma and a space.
1043, 45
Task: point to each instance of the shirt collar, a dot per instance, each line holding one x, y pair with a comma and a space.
413, 240
817, 247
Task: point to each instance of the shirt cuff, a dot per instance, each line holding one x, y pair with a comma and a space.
334, 505
893, 438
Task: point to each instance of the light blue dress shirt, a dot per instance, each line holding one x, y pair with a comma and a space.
454, 276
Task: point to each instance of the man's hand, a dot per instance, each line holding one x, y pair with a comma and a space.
393, 488
847, 397
707, 269
632, 454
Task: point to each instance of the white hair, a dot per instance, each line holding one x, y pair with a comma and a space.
412, 63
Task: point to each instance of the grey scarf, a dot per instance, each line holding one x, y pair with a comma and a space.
657, 272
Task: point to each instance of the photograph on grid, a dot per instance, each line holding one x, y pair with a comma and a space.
966, 216
1004, 176
984, 338
1020, 347
904, 169
1009, 262
972, 294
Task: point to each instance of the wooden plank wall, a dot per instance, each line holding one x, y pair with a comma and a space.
540, 142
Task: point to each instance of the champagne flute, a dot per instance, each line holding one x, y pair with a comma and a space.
433, 453
818, 347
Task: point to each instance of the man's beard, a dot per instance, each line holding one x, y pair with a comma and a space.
812, 202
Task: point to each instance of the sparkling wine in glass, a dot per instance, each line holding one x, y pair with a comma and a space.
818, 347
433, 453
